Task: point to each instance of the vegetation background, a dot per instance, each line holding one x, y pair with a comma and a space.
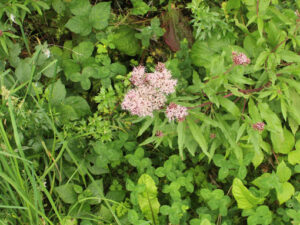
70, 153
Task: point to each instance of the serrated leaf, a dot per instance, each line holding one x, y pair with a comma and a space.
99, 15
145, 125
139, 7
261, 60
129, 45
290, 56
58, 93
283, 143
230, 106
83, 51
198, 136
245, 199
79, 25
66, 193
23, 71
80, 7
273, 122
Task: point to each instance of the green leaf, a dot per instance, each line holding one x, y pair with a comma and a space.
198, 136
58, 6
139, 7
181, 138
73, 108
83, 51
244, 198
99, 15
229, 106
23, 71
262, 215
147, 200
145, 125
253, 111
58, 93
205, 222
66, 193
283, 172
261, 60
79, 25
129, 45
290, 56
285, 192
273, 122
283, 144
294, 157
80, 7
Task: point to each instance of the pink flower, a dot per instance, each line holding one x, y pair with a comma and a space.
138, 76
150, 91
260, 126
175, 111
162, 81
142, 101
240, 59
159, 133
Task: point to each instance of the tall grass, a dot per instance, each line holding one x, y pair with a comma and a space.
24, 199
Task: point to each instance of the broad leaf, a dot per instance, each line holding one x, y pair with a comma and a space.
245, 199
99, 15
66, 193
147, 200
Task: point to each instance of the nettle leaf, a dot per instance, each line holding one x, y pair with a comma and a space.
83, 51
80, 7
23, 71
58, 92
125, 41
139, 7
99, 15
58, 6
283, 143
147, 200
73, 108
67, 193
245, 199
79, 25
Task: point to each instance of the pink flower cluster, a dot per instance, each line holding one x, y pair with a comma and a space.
175, 111
240, 59
142, 101
150, 90
260, 126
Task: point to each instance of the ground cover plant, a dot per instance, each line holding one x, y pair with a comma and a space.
149, 112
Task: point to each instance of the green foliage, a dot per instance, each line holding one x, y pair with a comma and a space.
147, 199
70, 153
87, 17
